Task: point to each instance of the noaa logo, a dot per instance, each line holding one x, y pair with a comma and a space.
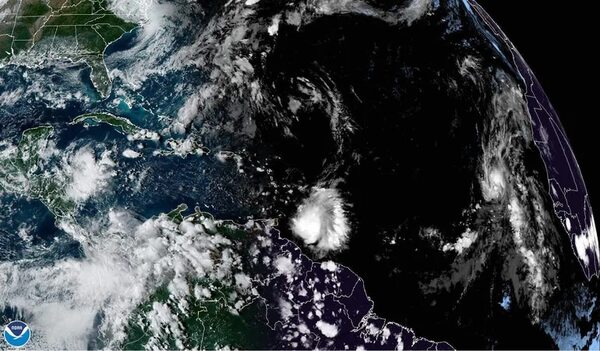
17, 334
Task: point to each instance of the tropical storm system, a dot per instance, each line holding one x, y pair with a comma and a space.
284, 174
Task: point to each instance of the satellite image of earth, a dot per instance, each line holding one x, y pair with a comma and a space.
285, 174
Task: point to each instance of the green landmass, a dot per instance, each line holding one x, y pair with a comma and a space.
79, 30
177, 214
21, 172
208, 322
122, 125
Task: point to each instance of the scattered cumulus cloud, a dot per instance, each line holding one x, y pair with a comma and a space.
587, 242
327, 329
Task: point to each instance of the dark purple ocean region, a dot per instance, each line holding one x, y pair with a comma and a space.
565, 181
324, 305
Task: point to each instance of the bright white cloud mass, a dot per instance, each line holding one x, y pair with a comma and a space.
321, 222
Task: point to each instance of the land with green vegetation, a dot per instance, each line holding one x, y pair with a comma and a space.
79, 30
122, 125
22, 172
207, 320
209, 324
177, 214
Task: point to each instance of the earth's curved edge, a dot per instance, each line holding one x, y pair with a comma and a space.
565, 184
